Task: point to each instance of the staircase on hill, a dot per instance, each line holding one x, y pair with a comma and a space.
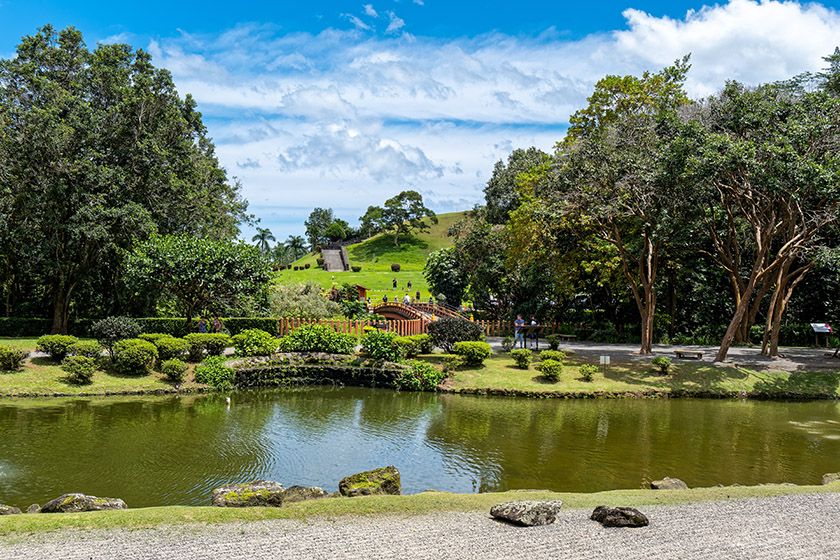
333, 260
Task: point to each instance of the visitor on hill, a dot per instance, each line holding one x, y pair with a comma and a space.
418, 296
409, 284
394, 283
396, 299
532, 338
202, 324
518, 336
385, 298
217, 324
407, 299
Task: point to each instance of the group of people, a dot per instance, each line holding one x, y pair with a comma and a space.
519, 336
406, 300
216, 325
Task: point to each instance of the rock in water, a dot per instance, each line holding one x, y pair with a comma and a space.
619, 517
828, 478
8, 510
527, 513
303, 493
34, 508
262, 493
73, 503
378, 481
669, 483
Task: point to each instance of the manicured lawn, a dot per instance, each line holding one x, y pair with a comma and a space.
25, 343
417, 504
500, 372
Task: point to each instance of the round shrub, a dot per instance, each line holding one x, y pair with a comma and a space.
407, 347
380, 345
522, 357
508, 343
395, 267
86, 348
213, 343
553, 341
169, 347
254, 342
12, 358
56, 345
555, 355
111, 329
80, 369
474, 353
134, 356
588, 371
307, 266
174, 370
420, 376
356, 268
318, 338
451, 362
447, 331
213, 371
662, 363
551, 369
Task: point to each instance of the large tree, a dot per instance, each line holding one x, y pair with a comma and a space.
200, 273
405, 213
502, 193
316, 226
99, 151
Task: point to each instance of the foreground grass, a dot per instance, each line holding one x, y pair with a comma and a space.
26, 343
500, 373
417, 504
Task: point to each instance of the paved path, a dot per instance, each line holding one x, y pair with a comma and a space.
805, 526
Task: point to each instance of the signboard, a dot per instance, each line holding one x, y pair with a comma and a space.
821, 327
605, 360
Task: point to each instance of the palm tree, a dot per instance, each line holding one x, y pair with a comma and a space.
262, 238
297, 245
281, 254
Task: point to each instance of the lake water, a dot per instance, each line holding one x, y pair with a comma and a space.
170, 450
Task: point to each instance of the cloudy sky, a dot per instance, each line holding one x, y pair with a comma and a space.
344, 104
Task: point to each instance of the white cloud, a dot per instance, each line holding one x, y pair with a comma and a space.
347, 119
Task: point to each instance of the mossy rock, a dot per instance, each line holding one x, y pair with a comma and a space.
377, 481
304, 493
8, 510
74, 503
259, 493
828, 478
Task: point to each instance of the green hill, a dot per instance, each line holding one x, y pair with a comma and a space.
375, 256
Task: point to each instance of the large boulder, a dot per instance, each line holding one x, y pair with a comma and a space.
74, 503
377, 481
619, 517
303, 493
34, 508
261, 493
8, 510
527, 513
669, 483
828, 478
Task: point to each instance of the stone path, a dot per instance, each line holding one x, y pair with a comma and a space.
805, 526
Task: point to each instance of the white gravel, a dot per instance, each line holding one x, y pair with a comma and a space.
803, 526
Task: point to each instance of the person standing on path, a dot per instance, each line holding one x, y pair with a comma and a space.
202, 325
409, 284
532, 338
518, 336
394, 283
217, 324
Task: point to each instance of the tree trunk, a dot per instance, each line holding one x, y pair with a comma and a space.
61, 307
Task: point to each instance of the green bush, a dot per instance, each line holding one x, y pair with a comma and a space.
553, 341
318, 338
152, 337
588, 371
445, 332
420, 376
134, 356
170, 347
356, 268
174, 370
662, 363
380, 345
452, 362
474, 353
555, 355
213, 343
254, 342
80, 369
86, 348
108, 331
12, 358
424, 343
508, 343
213, 371
395, 267
56, 345
551, 369
522, 357
407, 347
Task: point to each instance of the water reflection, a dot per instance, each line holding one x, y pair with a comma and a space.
170, 450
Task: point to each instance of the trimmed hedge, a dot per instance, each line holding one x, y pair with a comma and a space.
56, 345
254, 342
522, 357
87, 348
318, 338
12, 358
80, 369
174, 370
381, 345
213, 343
551, 369
134, 356
474, 353
169, 347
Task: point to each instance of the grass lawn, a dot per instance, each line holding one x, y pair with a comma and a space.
25, 343
376, 255
417, 504
500, 373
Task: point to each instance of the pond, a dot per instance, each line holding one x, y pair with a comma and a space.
175, 450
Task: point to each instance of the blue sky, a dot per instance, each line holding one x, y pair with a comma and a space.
344, 104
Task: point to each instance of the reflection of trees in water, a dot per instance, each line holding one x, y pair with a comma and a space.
592, 445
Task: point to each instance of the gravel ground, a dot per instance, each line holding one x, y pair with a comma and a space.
786, 527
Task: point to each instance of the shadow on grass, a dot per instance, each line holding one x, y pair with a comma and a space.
43, 361
684, 376
543, 380
809, 382
380, 246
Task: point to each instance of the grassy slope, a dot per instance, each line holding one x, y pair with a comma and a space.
417, 504
375, 256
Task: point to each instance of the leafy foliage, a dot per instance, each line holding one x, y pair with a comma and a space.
87, 348
445, 275
56, 345
213, 343
80, 369
551, 369
112, 329
213, 371
502, 193
474, 353
522, 357
402, 213
421, 376
175, 370
424, 342
379, 345
508, 343
134, 356
553, 341
588, 371
452, 362
170, 347
301, 300
447, 331
662, 363
407, 347
555, 355
318, 338
11, 359
254, 342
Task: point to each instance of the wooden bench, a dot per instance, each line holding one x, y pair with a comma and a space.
566, 337
688, 354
